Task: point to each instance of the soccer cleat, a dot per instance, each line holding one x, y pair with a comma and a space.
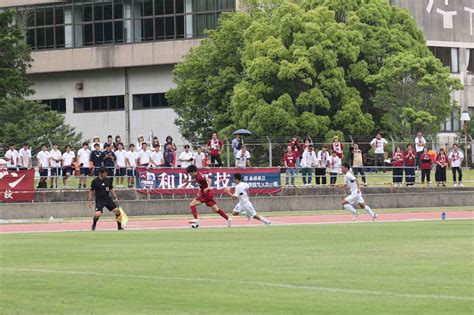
229, 222
455, 185
120, 229
355, 215
194, 221
267, 223
461, 185
93, 227
375, 217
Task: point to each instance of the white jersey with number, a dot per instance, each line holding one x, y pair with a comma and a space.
379, 145
356, 196
241, 158
455, 158
244, 205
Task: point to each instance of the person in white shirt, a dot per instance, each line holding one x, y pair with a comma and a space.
186, 157
25, 157
83, 158
156, 158
355, 198
140, 142
321, 165
199, 157
43, 166
144, 156
242, 158
55, 158
420, 144
120, 164
378, 144
67, 159
308, 161
244, 206
131, 163
455, 158
12, 157
334, 167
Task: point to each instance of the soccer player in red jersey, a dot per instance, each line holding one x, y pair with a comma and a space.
204, 196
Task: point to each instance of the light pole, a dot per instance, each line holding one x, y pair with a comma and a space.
465, 119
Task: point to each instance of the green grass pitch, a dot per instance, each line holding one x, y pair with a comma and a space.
366, 268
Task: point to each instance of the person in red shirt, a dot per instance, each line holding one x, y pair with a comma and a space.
410, 159
397, 163
214, 146
205, 196
425, 166
297, 149
337, 147
289, 160
441, 166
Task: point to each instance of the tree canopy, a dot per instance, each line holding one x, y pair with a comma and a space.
23, 120
316, 67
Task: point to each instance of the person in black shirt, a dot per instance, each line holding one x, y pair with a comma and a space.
108, 158
96, 159
102, 187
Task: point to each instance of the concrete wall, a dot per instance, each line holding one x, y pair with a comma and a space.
308, 202
16, 3
152, 79
111, 56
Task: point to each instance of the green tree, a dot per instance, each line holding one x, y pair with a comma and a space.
24, 120
318, 68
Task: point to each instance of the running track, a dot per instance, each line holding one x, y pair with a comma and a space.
238, 222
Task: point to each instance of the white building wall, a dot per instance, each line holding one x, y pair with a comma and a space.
151, 79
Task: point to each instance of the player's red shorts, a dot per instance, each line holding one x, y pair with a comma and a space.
207, 198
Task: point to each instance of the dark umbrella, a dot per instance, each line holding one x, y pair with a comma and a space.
242, 132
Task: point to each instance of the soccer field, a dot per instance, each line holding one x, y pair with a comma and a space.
377, 268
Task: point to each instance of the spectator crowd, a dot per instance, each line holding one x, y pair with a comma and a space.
122, 161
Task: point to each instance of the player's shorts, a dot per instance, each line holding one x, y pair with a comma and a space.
246, 208
67, 170
131, 173
120, 171
85, 171
55, 171
355, 199
109, 204
207, 198
44, 172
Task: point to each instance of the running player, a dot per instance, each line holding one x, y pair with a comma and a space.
355, 197
102, 186
204, 196
244, 205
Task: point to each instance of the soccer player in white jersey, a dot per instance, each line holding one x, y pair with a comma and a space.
355, 198
244, 205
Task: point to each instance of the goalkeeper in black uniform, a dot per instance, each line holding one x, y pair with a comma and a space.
102, 186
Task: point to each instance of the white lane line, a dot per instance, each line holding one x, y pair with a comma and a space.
251, 283
274, 223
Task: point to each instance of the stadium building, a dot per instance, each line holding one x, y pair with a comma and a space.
106, 64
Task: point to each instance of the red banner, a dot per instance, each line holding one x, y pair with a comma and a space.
17, 185
175, 180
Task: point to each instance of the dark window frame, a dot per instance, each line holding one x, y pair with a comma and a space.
56, 104
139, 101
94, 104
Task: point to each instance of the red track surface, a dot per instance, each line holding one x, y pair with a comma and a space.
238, 222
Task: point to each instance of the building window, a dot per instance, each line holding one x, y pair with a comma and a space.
452, 123
99, 104
470, 60
80, 23
448, 56
144, 101
58, 104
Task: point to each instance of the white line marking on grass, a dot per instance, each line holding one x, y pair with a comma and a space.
274, 223
252, 283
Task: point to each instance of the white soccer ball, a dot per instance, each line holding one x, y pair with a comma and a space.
195, 225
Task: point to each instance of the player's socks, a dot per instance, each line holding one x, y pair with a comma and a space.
263, 220
350, 208
94, 222
194, 211
119, 225
222, 214
369, 211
